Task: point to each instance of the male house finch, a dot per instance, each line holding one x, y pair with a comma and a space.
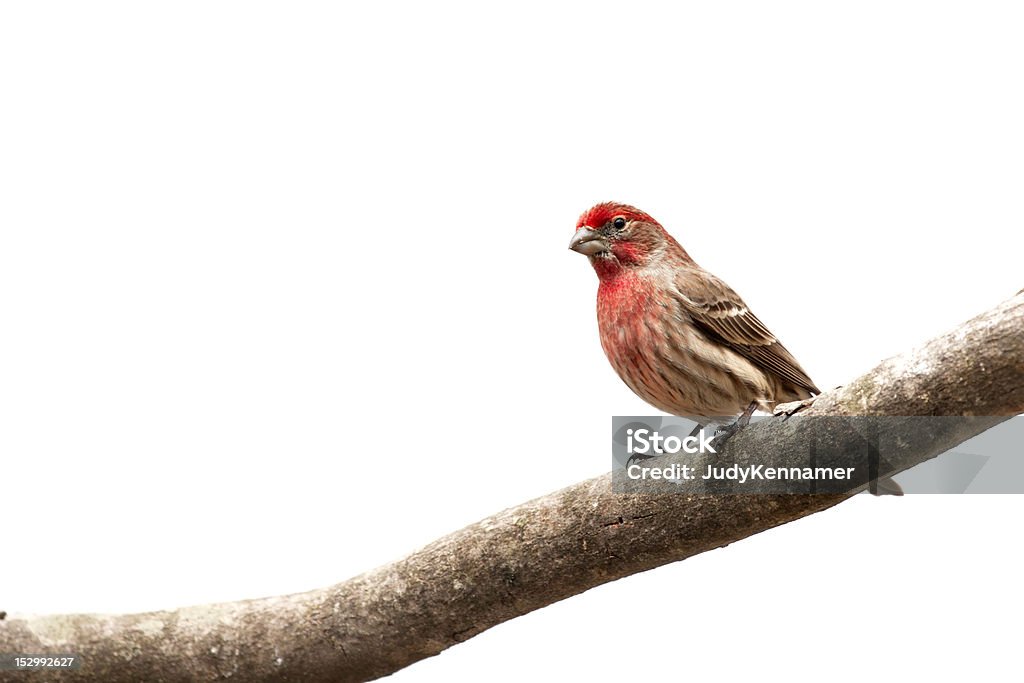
678, 336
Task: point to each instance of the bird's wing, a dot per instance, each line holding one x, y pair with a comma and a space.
719, 311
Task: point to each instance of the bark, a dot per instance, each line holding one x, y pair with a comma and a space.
542, 551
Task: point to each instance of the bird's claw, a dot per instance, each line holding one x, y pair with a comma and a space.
638, 457
724, 433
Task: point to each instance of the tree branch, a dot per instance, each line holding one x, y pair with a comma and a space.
540, 552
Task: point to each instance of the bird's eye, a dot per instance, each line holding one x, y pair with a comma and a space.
619, 223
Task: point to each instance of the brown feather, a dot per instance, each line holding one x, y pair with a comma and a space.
720, 312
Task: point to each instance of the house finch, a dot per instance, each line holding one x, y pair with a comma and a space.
678, 336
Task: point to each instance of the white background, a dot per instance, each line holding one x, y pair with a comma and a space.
252, 251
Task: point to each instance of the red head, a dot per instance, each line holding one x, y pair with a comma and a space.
619, 238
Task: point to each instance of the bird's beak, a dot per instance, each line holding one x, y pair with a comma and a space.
588, 242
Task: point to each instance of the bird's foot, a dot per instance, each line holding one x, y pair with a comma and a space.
638, 457
723, 434
787, 410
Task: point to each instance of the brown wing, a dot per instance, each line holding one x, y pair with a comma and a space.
719, 311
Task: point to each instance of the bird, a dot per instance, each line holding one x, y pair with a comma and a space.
680, 337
